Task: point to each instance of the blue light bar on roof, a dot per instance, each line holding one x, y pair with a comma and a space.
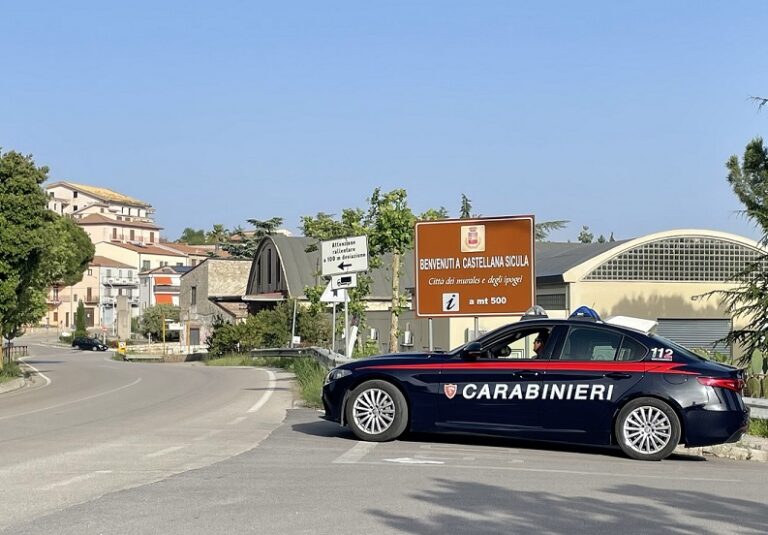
585, 313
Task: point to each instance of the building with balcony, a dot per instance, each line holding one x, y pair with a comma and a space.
102, 282
102, 228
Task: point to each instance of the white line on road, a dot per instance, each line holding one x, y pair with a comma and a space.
165, 451
270, 388
137, 381
38, 372
75, 479
238, 420
355, 453
411, 460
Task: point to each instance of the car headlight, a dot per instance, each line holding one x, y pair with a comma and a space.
336, 373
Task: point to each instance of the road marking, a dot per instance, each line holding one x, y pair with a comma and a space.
355, 453
165, 451
410, 460
137, 381
270, 388
75, 479
238, 420
38, 372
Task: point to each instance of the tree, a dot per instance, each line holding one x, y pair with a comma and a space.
601, 239
153, 318
37, 246
390, 222
80, 329
217, 235
465, 212
748, 299
70, 250
541, 230
246, 246
192, 236
585, 236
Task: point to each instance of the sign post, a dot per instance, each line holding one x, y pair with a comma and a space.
344, 257
474, 267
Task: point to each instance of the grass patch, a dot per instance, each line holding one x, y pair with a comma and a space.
230, 360
758, 428
309, 374
11, 370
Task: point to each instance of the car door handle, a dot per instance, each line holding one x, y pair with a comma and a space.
617, 375
527, 373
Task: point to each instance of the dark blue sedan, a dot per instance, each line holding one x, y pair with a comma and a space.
579, 380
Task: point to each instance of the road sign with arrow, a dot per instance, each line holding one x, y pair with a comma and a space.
344, 255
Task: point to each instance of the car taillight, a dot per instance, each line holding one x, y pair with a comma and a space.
723, 382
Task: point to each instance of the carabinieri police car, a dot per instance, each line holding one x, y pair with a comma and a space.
577, 380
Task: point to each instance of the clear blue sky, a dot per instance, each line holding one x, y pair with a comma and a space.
616, 115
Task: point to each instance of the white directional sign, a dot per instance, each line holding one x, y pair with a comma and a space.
345, 255
339, 282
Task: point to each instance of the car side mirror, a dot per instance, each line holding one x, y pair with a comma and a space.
472, 351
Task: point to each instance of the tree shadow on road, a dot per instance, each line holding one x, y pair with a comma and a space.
470, 507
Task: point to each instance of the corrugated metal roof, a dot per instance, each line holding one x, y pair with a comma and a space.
555, 258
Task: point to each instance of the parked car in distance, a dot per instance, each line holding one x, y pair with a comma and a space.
91, 344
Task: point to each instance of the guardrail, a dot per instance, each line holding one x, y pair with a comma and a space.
758, 407
327, 358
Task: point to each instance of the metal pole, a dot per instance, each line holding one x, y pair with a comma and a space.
477, 327
431, 344
333, 329
293, 325
346, 325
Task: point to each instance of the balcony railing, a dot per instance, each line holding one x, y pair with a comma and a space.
120, 281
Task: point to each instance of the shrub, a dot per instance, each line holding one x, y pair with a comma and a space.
758, 427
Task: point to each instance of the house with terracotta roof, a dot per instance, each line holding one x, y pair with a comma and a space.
69, 198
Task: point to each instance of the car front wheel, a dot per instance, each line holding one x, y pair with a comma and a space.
647, 429
376, 411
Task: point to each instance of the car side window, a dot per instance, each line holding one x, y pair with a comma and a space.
632, 350
589, 343
522, 344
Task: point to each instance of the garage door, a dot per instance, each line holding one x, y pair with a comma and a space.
697, 333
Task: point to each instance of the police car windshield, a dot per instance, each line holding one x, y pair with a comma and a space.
678, 348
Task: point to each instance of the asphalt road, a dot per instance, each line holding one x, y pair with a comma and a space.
310, 476
91, 426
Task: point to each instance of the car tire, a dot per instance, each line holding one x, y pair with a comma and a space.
94, 348
647, 429
376, 411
